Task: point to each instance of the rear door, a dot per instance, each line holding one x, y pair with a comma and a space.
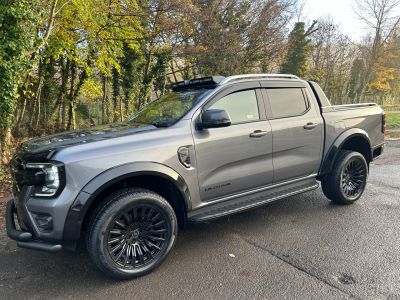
297, 128
237, 158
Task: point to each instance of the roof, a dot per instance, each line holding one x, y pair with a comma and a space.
214, 81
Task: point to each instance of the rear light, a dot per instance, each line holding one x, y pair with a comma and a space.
383, 122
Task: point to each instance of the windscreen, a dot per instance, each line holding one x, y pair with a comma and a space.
169, 108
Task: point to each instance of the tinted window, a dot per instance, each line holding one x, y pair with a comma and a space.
242, 106
287, 102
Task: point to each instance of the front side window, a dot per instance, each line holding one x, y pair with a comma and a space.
241, 106
286, 102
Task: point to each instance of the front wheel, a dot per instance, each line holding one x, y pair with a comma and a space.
132, 234
348, 179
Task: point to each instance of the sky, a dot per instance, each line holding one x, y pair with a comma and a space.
341, 12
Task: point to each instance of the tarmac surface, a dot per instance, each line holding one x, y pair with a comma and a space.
302, 247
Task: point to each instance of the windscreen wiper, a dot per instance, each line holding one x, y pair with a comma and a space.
159, 124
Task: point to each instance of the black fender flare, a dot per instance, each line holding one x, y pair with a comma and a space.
337, 145
79, 208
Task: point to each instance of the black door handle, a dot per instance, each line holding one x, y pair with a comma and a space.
258, 133
310, 125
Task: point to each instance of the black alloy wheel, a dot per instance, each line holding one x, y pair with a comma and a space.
353, 177
137, 236
132, 233
347, 181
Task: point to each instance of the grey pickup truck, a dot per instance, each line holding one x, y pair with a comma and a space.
211, 147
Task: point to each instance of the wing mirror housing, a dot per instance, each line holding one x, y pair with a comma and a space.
214, 118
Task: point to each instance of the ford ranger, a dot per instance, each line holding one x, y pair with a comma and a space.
211, 147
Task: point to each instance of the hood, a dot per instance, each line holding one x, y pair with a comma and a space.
44, 147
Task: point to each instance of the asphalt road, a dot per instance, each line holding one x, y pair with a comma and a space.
302, 247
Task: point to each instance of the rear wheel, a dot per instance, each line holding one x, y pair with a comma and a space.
132, 234
348, 179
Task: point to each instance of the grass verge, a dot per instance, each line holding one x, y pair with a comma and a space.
393, 119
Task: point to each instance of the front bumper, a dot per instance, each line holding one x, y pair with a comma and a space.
25, 238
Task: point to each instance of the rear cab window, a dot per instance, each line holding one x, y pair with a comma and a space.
287, 102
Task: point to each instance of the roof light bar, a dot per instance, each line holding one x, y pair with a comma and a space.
210, 81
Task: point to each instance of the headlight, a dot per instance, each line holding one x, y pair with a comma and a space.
49, 178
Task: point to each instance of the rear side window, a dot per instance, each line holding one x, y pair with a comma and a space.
241, 106
287, 102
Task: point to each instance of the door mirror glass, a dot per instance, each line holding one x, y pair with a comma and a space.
215, 118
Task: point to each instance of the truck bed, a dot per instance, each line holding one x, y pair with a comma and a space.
339, 118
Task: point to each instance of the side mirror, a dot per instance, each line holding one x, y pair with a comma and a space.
214, 118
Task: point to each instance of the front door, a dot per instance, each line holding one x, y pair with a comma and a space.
239, 157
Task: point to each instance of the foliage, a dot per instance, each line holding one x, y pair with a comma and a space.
18, 20
358, 70
332, 62
299, 51
239, 36
71, 63
393, 119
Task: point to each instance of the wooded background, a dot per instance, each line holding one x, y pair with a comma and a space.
66, 64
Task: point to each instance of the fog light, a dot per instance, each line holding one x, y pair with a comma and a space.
44, 222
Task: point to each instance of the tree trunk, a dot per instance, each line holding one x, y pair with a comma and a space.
144, 90
71, 105
39, 93
21, 116
71, 117
121, 115
173, 71
115, 84
24, 103
36, 105
103, 100
5, 143
61, 94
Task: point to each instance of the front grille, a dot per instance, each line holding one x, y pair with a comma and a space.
17, 169
17, 163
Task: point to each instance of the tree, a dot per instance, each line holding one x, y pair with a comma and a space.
299, 50
85, 41
131, 65
72, 63
384, 83
381, 17
239, 36
168, 24
357, 74
331, 60
18, 20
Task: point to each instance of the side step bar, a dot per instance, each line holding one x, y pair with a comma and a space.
244, 203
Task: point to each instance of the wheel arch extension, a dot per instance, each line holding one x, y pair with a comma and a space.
354, 139
143, 174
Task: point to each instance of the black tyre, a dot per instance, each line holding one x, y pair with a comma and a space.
132, 234
348, 179
325, 185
